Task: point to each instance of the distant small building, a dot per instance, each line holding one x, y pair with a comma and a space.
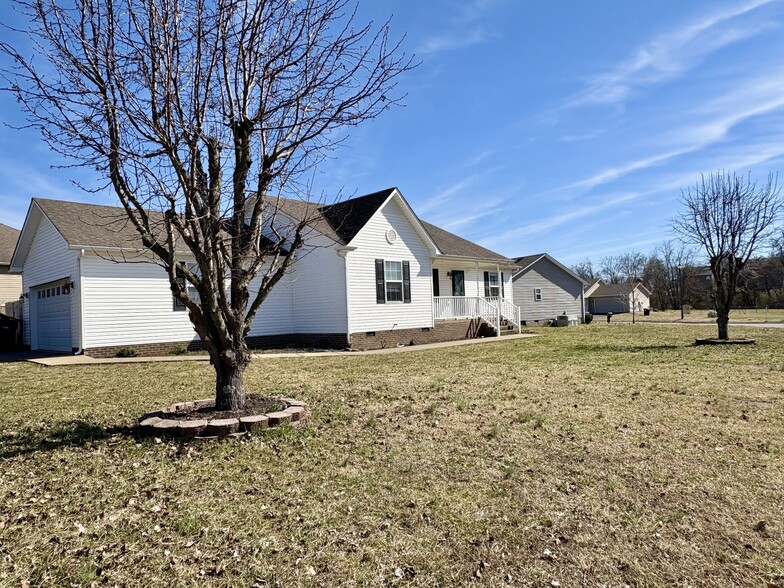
604, 298
545, 288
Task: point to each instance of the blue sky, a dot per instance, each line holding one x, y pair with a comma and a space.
566, 126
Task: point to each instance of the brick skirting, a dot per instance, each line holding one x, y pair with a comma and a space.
444, 330
319, 340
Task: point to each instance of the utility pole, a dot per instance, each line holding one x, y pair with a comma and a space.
680, 289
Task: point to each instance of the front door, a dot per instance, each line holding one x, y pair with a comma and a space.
458, 283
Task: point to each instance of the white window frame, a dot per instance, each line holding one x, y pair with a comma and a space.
537, 294
387, 281
496, 287
190, 289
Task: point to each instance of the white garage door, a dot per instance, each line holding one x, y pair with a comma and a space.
53, 317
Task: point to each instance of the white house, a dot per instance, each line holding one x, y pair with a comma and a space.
10, 284
371, 274
545, 288
604, 298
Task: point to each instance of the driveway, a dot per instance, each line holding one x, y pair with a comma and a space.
21, 355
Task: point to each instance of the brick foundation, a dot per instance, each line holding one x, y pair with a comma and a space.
444, 330
318, 340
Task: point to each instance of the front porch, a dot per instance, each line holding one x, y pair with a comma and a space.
496, 311
474, 289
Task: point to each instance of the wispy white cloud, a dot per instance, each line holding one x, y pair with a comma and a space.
671, 54
706, 125
452, 41
464, 29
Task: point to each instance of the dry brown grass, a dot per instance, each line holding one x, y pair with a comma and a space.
591, 456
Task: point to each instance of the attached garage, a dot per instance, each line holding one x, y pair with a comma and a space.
52, 310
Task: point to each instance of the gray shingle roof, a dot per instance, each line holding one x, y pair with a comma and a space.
615, 290
348, 217
91, 225
94, 225
526, 260
8, 238
451, 244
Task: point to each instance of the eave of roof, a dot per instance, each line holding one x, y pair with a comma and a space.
527, 261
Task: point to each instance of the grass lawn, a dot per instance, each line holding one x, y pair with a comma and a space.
592, 456
737, 316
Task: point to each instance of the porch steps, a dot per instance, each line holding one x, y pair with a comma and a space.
508, 327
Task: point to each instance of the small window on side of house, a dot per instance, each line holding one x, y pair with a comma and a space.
393, 273
538, 294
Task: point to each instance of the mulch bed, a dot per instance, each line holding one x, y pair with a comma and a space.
724, 342
254, 404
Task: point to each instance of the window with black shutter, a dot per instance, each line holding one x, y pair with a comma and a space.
393, 281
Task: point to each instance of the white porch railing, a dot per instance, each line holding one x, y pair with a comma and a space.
491, 309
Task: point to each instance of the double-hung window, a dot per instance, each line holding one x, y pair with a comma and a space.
189, 288
538, 294
393, 281
492, 285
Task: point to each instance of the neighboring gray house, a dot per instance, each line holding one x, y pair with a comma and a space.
544, 288
604, 298
10, 284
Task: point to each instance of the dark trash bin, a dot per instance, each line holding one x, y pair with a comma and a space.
9, 332
646, 311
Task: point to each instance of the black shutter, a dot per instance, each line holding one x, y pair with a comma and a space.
502, 285
436, 286
406, 282
487, 284
381, 296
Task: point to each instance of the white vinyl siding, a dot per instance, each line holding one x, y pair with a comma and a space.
132, 304
319, 288
371, 243
49, 260
561, 293
275, 313
129, 304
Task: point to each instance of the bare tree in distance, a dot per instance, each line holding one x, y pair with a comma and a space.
585, 270
190, 110
728, 216
632, 265
611, 269
668, 273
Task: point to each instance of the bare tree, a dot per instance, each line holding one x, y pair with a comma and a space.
632, 265
191, 110
585, 270
668, 274
611, 269
728, 216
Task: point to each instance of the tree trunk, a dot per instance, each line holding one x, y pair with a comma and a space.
723, 322
230, 378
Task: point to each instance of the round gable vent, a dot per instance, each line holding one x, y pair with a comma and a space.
391, 236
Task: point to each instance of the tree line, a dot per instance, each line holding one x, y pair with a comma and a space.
674, 274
